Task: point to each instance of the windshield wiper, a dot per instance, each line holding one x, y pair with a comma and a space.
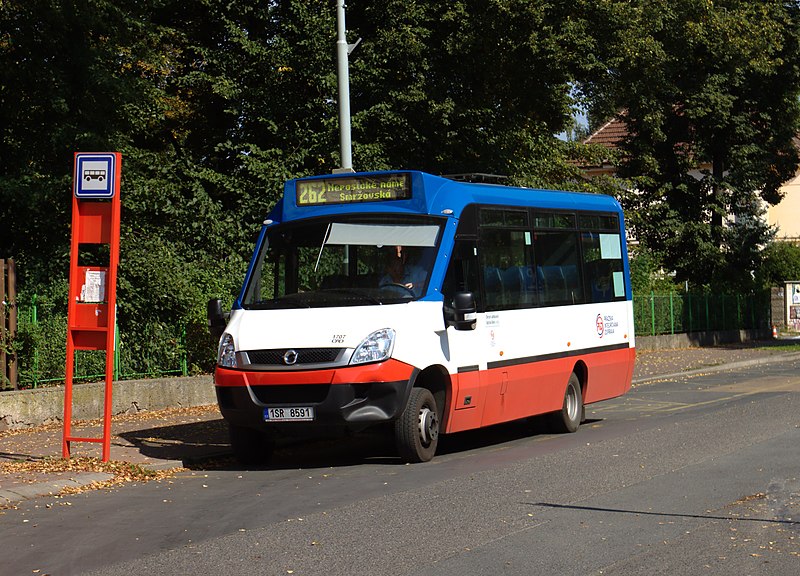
322, 246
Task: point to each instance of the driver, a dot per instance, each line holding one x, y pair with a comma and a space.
398, 271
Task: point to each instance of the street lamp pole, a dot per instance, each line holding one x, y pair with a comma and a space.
343, 50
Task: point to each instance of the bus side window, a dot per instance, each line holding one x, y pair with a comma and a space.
558, 267
602, 264
507, 274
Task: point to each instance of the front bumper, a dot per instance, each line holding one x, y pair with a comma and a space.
354, 397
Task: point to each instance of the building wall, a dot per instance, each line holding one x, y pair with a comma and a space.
786, 215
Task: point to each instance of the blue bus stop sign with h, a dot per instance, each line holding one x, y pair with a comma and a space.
95, 175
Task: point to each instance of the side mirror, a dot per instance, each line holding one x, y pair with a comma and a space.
464, 311
216, 319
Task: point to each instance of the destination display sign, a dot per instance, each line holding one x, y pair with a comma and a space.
375, 188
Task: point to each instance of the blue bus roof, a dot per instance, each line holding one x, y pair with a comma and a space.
429, 194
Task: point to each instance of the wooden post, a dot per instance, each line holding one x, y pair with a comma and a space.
11, 280
8, 322
3, 325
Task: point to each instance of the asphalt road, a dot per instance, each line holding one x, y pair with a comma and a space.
696, 475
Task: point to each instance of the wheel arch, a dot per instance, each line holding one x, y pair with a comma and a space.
581, 370
437, 380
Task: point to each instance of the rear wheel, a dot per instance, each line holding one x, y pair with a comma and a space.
569, 418
250, 447
416, 432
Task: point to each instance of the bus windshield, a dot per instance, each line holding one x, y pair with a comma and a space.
344, 261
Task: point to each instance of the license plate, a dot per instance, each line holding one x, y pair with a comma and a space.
291, 414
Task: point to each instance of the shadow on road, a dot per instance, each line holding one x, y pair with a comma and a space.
205, 445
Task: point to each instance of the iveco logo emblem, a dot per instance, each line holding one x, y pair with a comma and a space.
290, 357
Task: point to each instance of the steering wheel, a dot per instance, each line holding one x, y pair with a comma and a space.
398, 285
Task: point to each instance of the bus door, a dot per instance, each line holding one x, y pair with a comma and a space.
465, 347
506, 269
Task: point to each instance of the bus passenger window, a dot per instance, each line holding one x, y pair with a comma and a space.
558, 267
507, 274
602, 264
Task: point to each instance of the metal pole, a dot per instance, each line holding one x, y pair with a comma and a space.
342, 51
117, 357
184, 362
671, 313
652, 313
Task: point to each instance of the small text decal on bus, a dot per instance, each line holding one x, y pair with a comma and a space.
376, 188
606, 325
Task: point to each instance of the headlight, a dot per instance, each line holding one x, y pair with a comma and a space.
374, 348
226, 355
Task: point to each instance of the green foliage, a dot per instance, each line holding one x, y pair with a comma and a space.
681, 312
710, 99
41, 344
780, 263
215, 103
646, 273
465, 86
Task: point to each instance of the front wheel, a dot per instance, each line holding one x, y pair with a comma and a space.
569, 417
416, 432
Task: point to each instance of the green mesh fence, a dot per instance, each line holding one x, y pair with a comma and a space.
677, 313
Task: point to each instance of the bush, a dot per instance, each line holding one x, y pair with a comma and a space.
647, 274
780, 263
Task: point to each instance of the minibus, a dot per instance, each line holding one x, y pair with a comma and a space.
423, 305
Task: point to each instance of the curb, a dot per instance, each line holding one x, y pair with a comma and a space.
28, 491
718, 368
12, 496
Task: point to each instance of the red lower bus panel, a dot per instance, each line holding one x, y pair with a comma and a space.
610, 375
512, 392
467, 399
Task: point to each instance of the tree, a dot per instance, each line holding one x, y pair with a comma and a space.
710, 93
781, 263
213, 105
462, 86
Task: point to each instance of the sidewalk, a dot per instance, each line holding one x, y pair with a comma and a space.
145, 446
151, 445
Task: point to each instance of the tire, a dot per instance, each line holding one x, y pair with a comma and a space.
416, 432
250, 447
568, 419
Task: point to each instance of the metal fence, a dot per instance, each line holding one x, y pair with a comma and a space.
42, 358
677, 313
42, 343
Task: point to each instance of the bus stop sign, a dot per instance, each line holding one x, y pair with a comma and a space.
95, 175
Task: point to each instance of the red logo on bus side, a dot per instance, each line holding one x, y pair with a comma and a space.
600, 325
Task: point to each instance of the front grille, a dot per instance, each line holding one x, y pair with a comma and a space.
300, 394
304, 356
